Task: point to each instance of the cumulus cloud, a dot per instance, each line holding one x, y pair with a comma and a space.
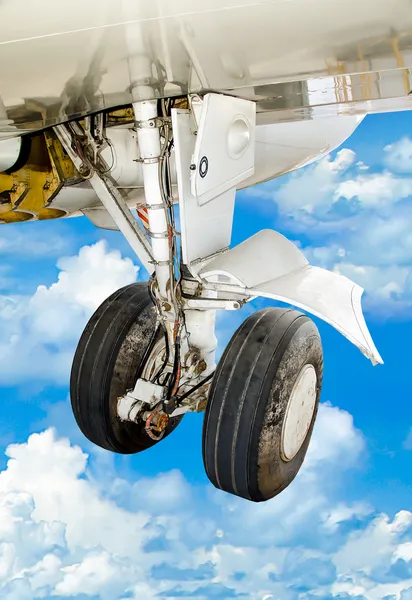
39, 333
355, 220
335, 190
398, 156
62, 537
310, 191
374, 191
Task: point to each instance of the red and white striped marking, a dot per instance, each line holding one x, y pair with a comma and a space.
143, 216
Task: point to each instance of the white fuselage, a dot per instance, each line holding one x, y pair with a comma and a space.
298, 58
306, 63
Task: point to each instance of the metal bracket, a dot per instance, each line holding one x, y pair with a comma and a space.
144, 393
210, 304
152, 123
160, 263
152, 206
158, 236
149, 161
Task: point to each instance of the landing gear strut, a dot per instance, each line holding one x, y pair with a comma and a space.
147, 356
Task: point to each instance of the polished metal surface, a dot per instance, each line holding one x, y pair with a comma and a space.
299, 59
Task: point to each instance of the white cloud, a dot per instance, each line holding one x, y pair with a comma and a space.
398, 156
373, 547
38, 334
65, 534
335, 190
404, 551
99, 573
374, 191
337, 441
312, 189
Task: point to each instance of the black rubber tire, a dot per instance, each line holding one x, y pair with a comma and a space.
248, 399
105, 366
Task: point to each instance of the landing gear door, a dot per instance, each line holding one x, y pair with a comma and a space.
205, 229
269, 265
224, 153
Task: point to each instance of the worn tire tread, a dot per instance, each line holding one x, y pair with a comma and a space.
238, 399
96, 376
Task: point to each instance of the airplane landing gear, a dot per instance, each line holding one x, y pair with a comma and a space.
147, 356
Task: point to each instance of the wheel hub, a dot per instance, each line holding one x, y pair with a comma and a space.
299, 413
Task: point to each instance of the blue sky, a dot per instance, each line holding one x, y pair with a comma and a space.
78, 522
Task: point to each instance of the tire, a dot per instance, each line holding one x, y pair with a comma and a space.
248, 449
106, 365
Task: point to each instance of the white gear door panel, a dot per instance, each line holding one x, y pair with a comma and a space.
269, 265
205, 229
224, 153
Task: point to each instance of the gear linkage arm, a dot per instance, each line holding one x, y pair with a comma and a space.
108, 194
